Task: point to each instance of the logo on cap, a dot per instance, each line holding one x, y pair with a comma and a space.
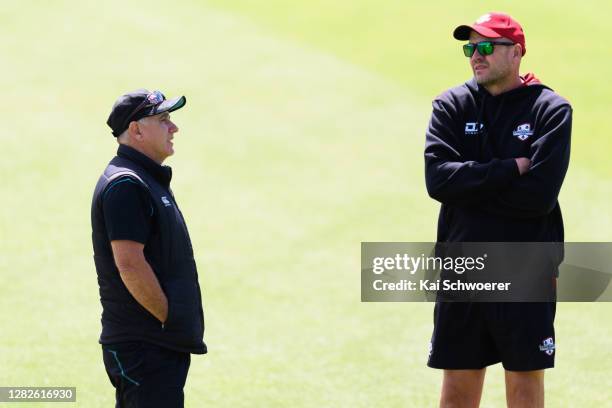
483, 19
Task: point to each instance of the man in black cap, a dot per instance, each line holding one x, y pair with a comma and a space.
497, 150
152, 318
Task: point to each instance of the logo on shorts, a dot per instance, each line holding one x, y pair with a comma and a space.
548, 346
166, 202
473, 128
430, 348
523, 131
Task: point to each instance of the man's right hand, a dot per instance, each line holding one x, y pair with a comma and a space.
523, 164
139, 278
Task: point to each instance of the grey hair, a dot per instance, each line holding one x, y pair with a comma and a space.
124, 137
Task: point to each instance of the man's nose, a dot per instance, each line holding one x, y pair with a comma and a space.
476, 57
173, 127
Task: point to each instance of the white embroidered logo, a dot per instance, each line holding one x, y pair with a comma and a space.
548, 346
523, 131
483, 19
473, 128
166, 202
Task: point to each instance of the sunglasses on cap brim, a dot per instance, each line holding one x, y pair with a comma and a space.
152, 99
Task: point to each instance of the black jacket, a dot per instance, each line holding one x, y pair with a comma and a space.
168, 250
471, 143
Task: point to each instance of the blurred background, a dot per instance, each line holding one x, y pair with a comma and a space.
302, 137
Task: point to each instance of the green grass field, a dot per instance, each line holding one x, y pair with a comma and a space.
302, 136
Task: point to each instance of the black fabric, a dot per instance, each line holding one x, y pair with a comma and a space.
167, 249
145, 375
128, 211
476, 335
470, 167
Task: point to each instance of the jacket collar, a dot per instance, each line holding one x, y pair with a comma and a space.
163, 174
530, 82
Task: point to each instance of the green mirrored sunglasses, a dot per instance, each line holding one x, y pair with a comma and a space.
483, 47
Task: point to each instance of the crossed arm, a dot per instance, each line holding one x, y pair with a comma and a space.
519, 187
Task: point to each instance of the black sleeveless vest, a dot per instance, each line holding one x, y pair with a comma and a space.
168, 251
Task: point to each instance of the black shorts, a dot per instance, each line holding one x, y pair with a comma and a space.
475, 335
145, 375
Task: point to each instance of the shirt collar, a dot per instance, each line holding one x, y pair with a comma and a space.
163, 174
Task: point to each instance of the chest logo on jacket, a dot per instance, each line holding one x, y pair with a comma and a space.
166, 202
523, 131
473, 128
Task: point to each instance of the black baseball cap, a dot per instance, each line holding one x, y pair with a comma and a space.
139, 104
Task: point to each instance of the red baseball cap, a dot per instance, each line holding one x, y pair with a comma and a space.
494, 25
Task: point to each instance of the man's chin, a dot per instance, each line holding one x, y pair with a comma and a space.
167, 154
482, 80
479, 78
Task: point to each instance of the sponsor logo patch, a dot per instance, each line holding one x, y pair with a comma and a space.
473, 128
166, 202
548, 346
523, 131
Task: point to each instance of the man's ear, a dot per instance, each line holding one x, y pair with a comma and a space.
518, 51
134, 131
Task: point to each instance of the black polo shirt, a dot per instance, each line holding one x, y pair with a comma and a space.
127, 207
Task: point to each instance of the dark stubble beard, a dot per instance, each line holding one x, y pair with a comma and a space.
494, 76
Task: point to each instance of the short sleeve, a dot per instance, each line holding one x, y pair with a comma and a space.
127, 211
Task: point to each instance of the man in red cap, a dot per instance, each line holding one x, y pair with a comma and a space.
497, 150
